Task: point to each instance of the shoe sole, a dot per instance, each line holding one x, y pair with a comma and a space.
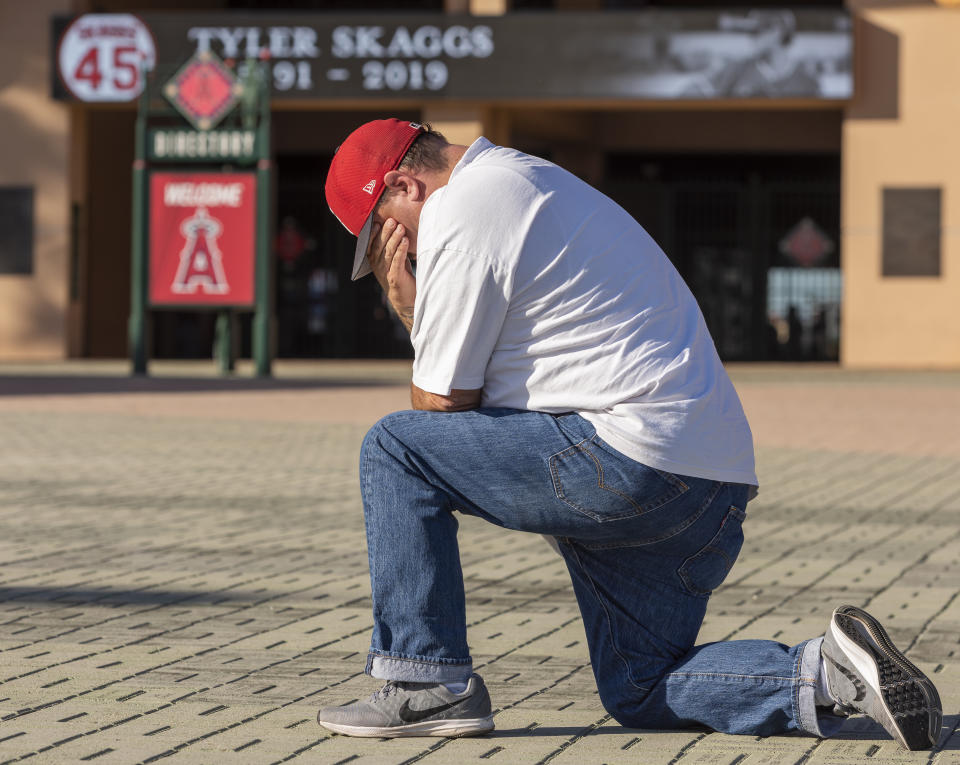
909, 699
446, 728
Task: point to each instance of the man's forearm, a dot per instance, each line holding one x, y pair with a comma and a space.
391, 265
406, 316
457, 401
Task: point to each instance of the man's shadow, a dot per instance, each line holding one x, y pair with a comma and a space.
864, 729
949, 737
854, 729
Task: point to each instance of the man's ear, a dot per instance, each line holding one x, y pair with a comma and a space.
398, 181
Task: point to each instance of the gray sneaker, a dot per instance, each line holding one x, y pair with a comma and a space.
414, 709
865, 673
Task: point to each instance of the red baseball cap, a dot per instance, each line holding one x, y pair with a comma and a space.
355, 179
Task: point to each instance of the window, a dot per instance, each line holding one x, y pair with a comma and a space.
911, 232
16, 230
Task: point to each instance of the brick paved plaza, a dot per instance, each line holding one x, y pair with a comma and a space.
183, 575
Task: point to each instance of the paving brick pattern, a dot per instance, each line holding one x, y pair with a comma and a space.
183, 576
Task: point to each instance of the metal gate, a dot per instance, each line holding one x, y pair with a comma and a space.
755, 238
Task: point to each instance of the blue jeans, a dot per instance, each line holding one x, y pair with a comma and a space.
644, 549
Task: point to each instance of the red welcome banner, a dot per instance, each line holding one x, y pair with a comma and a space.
202, 242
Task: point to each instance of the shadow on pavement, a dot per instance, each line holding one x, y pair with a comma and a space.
44, 385
864, 729
552, 731
71, 596
859, 729
949, 737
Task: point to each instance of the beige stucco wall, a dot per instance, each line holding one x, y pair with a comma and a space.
901, 130
34, 152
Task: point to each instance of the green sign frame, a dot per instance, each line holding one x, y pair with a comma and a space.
227, 146
166, 144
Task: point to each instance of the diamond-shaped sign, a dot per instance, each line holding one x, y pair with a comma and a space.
204, 90
806, 243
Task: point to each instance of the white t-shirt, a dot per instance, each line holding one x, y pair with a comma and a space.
537, 288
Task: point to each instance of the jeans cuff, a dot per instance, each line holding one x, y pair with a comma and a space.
813, 719
416, 670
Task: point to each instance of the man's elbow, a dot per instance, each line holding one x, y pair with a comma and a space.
457, 401
443, 404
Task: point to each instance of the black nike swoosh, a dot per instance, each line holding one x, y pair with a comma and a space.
851, 676
408, 715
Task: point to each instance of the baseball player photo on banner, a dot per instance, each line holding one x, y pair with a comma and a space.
202, 242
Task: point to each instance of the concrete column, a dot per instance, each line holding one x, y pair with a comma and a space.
461, 125
477, 7
34, 155
79, 180
464, 124
489, 7
900, 132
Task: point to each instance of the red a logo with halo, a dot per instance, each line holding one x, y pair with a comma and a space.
201, 262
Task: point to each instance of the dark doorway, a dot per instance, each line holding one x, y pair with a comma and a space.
320, 312
755, 237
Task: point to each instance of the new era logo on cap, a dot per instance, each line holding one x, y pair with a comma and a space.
353, 183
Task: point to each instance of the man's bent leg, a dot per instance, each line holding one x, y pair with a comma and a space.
644, 548
415, 469
419, 631
503, 465
643, 604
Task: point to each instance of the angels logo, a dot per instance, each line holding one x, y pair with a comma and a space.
202, 239
201, 262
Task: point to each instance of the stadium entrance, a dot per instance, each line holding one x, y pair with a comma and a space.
755, 237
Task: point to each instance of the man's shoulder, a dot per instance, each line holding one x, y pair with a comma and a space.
508, 160
485, 186
499, 164
501, 179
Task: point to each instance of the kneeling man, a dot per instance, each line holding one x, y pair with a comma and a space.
565, 384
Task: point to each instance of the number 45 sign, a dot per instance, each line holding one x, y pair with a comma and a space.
102, 56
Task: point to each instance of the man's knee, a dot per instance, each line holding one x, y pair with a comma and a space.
375, 441
390, 426
392, 434
625, 704
638, 700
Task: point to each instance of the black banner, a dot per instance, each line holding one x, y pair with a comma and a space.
610, 56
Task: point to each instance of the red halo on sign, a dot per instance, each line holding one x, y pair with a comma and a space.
204, 90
